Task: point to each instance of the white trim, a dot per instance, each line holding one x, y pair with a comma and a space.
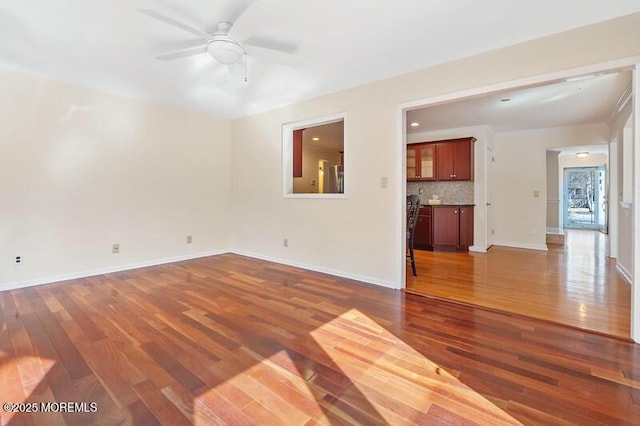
317, 196
627, 206
612, 197
401, 209
287, 154
635, 221
478, 249
101, 271
333, 272
540, 247
317, 121
624, 272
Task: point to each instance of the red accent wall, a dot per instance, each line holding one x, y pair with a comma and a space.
297, 153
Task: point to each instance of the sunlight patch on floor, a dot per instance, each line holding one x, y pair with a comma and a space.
28, 371
384, 368
263, 391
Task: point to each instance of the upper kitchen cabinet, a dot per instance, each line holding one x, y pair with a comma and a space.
455, 159
421, 162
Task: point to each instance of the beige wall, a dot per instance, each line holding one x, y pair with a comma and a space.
364, 236
520, 170
81, 170
553, 190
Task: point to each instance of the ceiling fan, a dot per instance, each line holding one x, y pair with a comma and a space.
230, 44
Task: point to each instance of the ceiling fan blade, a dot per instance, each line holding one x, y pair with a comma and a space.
167, 20
183, 53
271, 55
184, 44
251, 21
266, 43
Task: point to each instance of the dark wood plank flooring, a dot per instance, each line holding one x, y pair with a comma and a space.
233, 340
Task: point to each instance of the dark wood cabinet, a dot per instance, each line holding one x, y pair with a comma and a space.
422, 232
421, 159
441, 160
455, 159
452, 227
466, 227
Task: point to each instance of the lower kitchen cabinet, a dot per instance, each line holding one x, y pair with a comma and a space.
452, 227
422, 232
466, 227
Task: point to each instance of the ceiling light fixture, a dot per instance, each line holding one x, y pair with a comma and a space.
225, 50
414, 124
315, 138
582, 154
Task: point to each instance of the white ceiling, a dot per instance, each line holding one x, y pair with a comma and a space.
589, 99
107, 44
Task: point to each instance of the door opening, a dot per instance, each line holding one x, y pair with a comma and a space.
585, 198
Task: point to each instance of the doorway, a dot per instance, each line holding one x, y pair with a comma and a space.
585, 198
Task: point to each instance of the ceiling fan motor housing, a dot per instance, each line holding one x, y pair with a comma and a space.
223, 48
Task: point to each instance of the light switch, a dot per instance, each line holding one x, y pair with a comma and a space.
384, 182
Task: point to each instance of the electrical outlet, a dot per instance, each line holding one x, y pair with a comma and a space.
285, 242
115, 249
189, 239
18, 260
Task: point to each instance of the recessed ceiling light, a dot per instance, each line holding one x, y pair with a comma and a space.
315, 138
505, 99
414, 124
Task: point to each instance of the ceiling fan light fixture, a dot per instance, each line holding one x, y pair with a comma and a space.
225, 51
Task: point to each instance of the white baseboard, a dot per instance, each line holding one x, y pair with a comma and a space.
542, 247
477, 249
341, 274
100, 271
625, 272
119, 268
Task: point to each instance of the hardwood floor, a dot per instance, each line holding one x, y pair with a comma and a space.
229, 339
574, 284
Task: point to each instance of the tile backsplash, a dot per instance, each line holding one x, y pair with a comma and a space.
450, 192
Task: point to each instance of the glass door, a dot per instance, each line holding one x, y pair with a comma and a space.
603, 206
582, 197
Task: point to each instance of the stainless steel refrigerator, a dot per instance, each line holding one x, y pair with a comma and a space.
331, 177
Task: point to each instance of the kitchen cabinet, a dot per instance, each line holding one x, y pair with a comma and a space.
422, 231
421, 159
466, 227
440, 160
452, 227
455, 159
